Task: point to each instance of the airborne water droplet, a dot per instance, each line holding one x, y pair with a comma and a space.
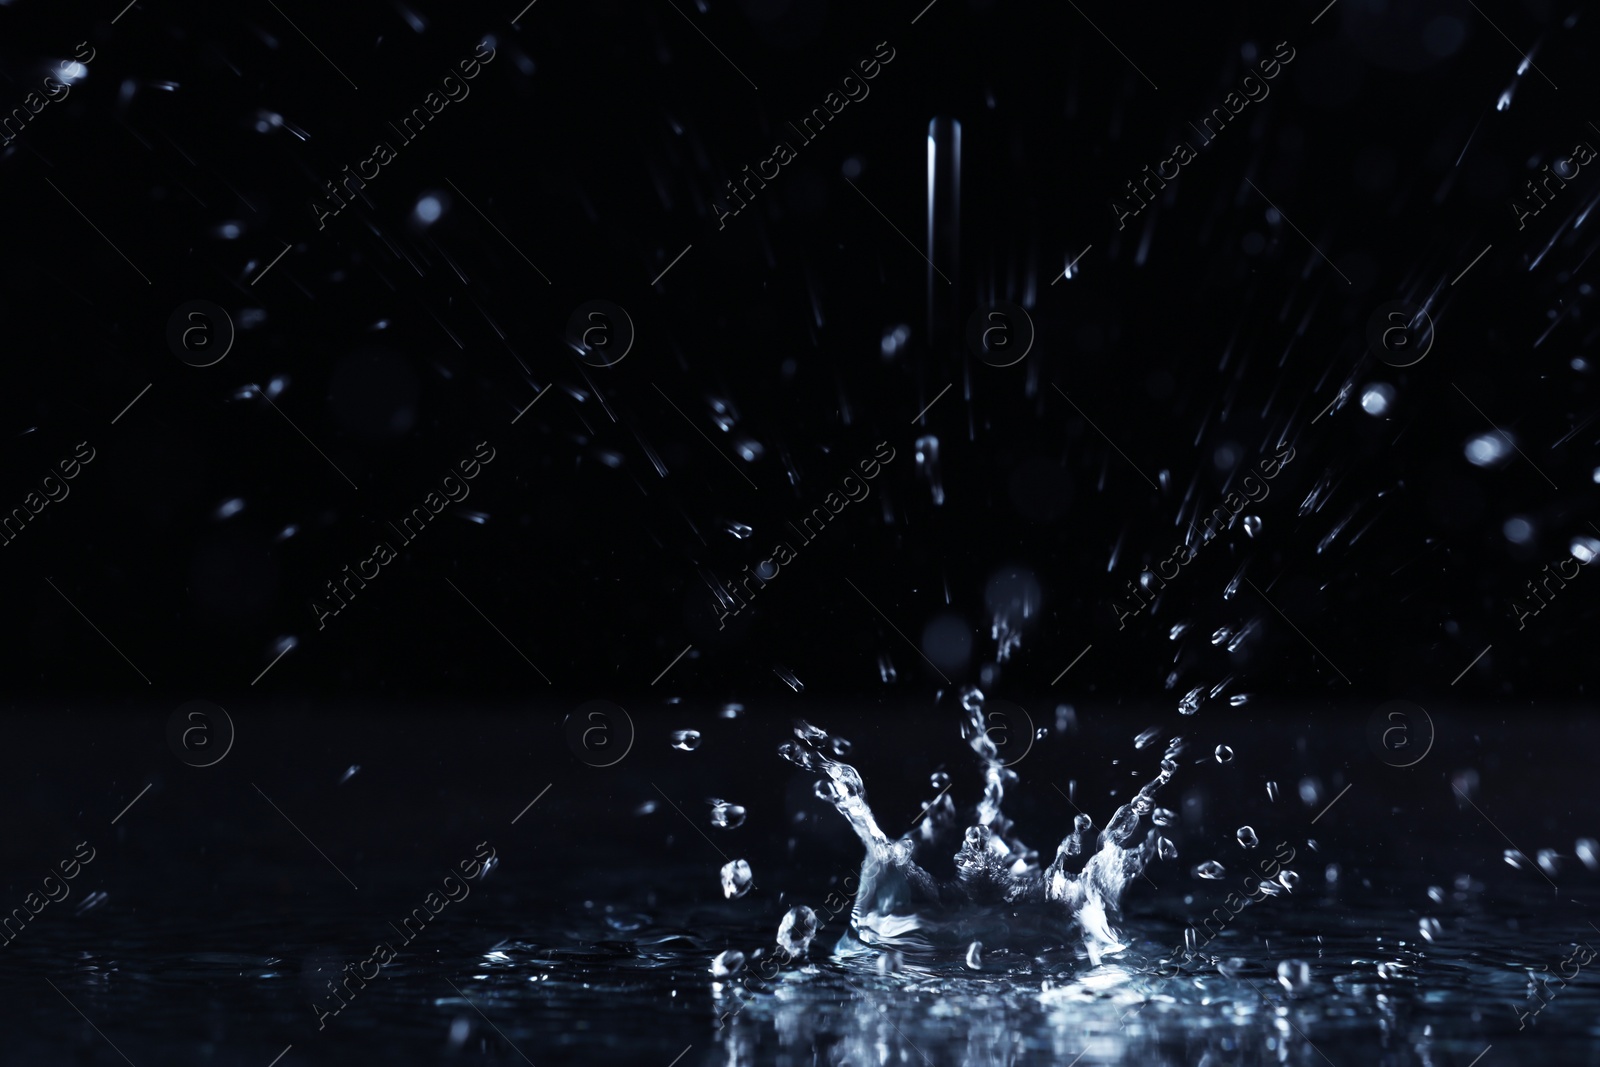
1252, 525
1191, 701
736, 878
686, 740
1145, 739
975, 956
1272, 792
1210, 870
796, 930
1224, 754
927, 459
726, 816
1247, 837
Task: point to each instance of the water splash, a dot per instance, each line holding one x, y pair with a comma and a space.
997, 893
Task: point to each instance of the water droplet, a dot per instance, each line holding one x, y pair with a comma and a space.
1066, 718
726, 816
1221, 635
1584, 549
841, 747
1191, 701
686, 740
975, 956
1517, 530
1436, 894
796, 930
894, 339
886, 669
736, 879
1272, 792
1164, 817
738, 529
429, 209
1549, 861
939, 780
727, 963
1179, 629
1288, 879
1166, 849
1224, 754
1147, 738
1515, 859
927, 460
1377, 399
1429, 928
1231, 967
1310, 791
1588, 850
732, 711
1210, 870
1238, 699
1294, 975
1488, 450
1252, 525
1247, 836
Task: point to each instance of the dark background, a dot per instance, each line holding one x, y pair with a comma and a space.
1225, 319
596, 141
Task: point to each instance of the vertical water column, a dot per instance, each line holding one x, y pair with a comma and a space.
944, 231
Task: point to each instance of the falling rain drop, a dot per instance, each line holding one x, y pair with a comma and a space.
736, 879
1488, 450
927, 459
726, 816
